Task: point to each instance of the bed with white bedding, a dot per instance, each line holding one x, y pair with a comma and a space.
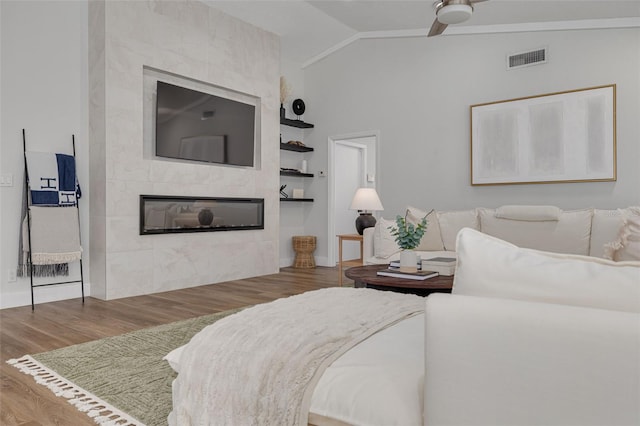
326, 357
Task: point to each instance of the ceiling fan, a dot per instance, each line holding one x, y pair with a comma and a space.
451, 12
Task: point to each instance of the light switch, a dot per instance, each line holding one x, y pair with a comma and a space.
6, 179
371, 177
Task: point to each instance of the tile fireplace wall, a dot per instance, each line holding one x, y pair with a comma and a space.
190, 40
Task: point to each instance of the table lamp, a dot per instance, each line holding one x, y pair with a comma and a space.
363, 200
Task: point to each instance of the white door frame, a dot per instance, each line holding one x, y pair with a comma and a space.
332, 142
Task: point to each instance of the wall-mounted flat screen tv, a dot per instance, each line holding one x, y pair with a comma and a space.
197, 126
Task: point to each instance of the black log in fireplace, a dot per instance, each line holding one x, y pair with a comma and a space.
160, 214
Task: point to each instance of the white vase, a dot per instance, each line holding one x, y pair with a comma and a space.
408, 261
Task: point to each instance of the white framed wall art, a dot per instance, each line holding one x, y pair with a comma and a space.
558, 137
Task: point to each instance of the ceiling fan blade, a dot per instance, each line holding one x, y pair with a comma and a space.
437, 28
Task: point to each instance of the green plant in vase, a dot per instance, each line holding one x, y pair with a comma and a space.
408, 236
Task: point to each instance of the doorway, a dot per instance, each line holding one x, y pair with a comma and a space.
352, 165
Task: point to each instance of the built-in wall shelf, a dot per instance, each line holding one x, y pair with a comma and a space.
296, 123
296, 148
295, 174
300, 150
296, 199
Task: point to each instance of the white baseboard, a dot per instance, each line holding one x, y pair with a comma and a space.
43, 294
286, 262
324, 261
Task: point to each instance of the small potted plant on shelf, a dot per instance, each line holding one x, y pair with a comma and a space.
408, 237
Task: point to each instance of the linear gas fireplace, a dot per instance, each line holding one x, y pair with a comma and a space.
161, 214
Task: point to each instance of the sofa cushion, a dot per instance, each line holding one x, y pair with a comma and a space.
451, 222
569, 234
492, 361
384, 244
431, 240
491, 267
529, 213
627, 245
605, 227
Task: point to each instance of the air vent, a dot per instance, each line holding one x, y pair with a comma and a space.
525, 59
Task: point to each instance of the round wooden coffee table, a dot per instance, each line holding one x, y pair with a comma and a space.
366, 276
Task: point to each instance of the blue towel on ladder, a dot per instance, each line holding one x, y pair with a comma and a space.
52, 179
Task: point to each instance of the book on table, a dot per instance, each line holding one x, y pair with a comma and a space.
443, 260
395, 264
419, 275
443, 265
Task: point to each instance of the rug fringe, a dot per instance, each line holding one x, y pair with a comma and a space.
100, 411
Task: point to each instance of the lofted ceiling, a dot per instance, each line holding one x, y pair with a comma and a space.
309, 30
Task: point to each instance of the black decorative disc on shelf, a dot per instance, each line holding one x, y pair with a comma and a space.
298, 107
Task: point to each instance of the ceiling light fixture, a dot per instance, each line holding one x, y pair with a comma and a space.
454, 13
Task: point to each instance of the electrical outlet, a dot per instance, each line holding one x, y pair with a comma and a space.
11, 275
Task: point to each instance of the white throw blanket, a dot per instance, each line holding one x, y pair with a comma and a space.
55, 235
260, 366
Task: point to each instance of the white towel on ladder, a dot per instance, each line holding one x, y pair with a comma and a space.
55, 235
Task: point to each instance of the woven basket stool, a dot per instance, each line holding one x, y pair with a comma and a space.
304, 247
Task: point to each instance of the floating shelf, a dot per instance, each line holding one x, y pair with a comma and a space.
296, 148
297, 199
295, 174
296, 123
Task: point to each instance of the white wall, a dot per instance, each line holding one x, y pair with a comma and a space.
417, 91
43, 90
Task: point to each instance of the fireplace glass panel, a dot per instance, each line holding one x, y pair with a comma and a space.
167, 214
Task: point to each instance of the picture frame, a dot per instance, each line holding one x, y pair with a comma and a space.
558, 137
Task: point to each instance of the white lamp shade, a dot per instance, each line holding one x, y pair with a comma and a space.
366, 199
454, 13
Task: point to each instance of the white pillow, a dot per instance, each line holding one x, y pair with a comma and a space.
627, 245
605, 227
529, 213
384, 244
571, 233
491, 267
431, 240
451, 222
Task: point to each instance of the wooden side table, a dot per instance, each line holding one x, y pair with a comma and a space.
354, 262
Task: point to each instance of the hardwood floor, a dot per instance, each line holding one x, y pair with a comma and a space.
59, 324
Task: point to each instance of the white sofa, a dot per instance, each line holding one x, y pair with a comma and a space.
526, 338
491, 361
547, 228
566, 352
